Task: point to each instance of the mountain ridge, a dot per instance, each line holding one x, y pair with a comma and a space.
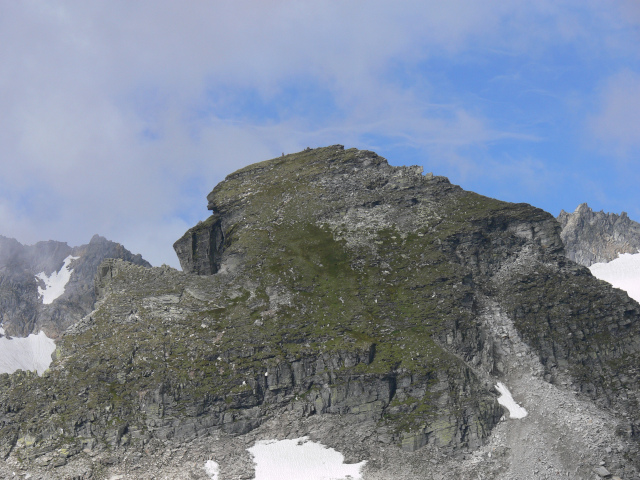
598, 237
21, 307
370, 307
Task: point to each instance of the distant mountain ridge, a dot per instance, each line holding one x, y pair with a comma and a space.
22, 310
597, 237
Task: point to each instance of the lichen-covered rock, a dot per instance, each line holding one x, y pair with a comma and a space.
597, 237
330, 286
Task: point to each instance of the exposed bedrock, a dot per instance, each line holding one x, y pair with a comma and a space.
200, 249
597, 237
329, 283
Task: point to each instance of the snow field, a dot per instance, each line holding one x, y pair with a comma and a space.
54, 284
212, 469
294, 460
622, 273
29, 353
506, 400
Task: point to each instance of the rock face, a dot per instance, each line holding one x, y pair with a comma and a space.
22, 308
200, 249
332, 295
597, 237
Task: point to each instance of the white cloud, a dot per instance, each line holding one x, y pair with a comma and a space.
617, 123
103, 124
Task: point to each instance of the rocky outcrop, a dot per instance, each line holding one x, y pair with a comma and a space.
22, 310
330, 288
597, 237
200, 249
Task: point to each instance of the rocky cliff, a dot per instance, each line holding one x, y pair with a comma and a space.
370, 307
597, 237
23, 310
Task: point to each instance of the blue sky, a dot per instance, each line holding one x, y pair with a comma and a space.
118, 117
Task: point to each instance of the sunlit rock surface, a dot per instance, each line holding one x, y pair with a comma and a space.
370, 308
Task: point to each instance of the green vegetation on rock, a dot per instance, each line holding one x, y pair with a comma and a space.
341, 285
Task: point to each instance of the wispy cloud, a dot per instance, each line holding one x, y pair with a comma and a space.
118, 117
616, 124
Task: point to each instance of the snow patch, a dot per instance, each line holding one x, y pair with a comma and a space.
301, 459
506, 400
29, 353
212, 469
54, 284
622, 273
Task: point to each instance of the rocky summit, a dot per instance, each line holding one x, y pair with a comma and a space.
597, 237
368, 307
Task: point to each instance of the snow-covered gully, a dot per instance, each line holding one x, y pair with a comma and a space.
506, 400
54, 284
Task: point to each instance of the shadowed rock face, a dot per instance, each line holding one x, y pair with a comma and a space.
22, 310
597, 237
329, 284
200, 249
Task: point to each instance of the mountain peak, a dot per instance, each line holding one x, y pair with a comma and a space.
28, 267
374, 309
598, 237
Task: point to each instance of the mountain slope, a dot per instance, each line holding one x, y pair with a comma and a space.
367, 306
